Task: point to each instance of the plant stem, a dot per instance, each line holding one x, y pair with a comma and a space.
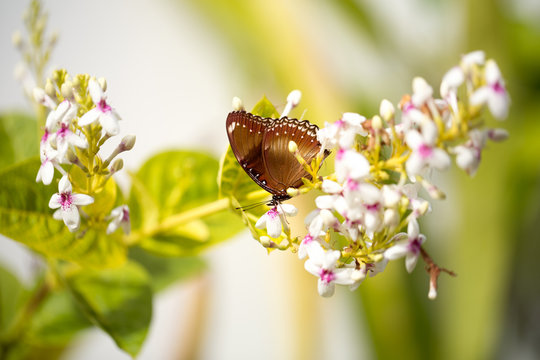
175, 220
23, 319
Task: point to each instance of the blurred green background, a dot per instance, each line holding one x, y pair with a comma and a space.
347, 55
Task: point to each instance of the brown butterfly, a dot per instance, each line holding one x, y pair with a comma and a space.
261, 146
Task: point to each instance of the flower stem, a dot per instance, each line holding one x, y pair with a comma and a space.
175, 220
23, 319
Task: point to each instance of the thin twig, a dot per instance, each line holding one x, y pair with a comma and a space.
434, 271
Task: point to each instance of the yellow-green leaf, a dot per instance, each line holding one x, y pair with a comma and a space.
26, 217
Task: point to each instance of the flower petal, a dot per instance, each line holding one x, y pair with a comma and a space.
81, 199
273, 227
88, 118
410, 262
325, 289
109, 123
55, 202
64, 186
96, 92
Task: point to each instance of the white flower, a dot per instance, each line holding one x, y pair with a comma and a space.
473, 58
407, 245
323, 264
67, 203
274, 219
450, 82
306, 246
107, 117
64, 138
494, 94
119, 217
350, 164
42, 98
62, 115
411, 117
468, 156
321, 221
424, 152
342, 133
422, 92
46, 170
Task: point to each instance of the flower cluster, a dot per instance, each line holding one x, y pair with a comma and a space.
79, 122
382, 166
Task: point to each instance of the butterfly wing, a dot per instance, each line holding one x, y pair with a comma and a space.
284, 171
246, 132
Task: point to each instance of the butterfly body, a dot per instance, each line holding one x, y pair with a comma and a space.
261, 146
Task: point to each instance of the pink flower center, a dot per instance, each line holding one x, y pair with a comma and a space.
340, 123
45, 137
103, 106
414, 246
66, 200
408, 106
373, 207
425, 151
272, 213
307, 239
351, 184
125, 215
63, 131
327, 276
340, 154
498, 88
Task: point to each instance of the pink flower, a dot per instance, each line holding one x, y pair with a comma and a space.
407, 245
494, 93
103, 112
323, 264
67, 204
424, 152
274, 219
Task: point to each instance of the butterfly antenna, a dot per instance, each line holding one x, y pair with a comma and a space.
250, 206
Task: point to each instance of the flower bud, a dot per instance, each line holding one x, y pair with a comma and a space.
116, 166
76, 82
102, 83
386, 110
237, 104
292, 192
49, 89
293, 147
67, 90
376, 123
497, 134
127, 142
433, 191
294, 97
265, 241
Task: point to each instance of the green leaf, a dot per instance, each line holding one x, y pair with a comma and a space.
264, 108
233, 180
171, 183
165, 271
26, 217
118, 300
19, 138
57, 321
12, 295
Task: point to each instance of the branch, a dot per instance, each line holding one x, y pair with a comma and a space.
434, 271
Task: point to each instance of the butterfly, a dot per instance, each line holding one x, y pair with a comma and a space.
261, 146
